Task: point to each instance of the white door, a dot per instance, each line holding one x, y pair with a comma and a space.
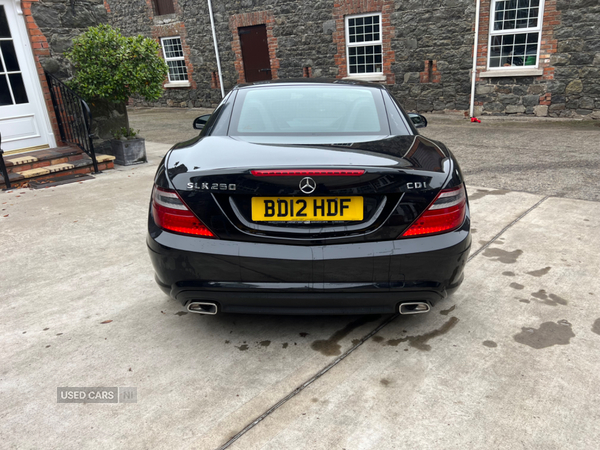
24, 122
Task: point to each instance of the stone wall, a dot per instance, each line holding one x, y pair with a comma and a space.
60, 21
428, 55
569, 57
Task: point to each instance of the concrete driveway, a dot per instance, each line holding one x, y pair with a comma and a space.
509, 361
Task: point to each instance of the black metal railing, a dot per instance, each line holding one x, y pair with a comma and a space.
73, 116
3, 170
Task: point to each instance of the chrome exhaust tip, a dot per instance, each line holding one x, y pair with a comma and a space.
414, 308
202, 308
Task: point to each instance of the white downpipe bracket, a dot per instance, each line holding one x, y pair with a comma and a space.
212, 25
474, 70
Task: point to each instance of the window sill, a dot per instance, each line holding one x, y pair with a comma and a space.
177, 84
374, 77
512, 73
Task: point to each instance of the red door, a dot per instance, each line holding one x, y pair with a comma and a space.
255, 53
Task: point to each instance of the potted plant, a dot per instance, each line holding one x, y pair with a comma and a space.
109, 69
127, 147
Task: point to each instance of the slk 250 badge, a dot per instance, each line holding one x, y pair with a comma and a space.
212, 186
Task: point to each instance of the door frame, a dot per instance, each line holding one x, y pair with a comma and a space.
247, 20
15, 16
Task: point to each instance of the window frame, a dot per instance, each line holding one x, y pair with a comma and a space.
492, 33
185, 82
363, 44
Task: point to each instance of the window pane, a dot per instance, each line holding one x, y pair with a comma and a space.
494, 62
10, 56
368, 59
173, 48
520, 38
4, 30
508, 39
512, 14
177, 70
363, 29
18, 88
5, 98
304, 111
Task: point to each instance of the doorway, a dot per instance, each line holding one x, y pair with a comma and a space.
24, 122
255, 53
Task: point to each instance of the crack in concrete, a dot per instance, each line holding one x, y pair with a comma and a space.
340, 358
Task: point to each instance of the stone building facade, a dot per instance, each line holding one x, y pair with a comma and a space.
34, 34
537, 57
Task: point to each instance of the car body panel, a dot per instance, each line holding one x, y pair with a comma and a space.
308, 267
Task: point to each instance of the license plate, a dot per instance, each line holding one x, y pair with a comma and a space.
301, 209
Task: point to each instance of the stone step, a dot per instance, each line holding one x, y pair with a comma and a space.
41, 158
23, 167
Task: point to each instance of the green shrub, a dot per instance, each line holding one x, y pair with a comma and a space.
114, 67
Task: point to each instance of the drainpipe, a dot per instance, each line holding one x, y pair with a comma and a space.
212, 25
474, 71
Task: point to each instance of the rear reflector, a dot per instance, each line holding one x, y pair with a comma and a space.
171, 214
446, 213
308, 173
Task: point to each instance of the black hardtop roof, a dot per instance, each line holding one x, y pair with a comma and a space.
313, 81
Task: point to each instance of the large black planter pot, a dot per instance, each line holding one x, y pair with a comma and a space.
107, 117
129, 151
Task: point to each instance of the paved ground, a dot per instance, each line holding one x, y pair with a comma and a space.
509, 361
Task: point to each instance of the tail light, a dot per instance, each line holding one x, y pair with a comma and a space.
446, 213
171, 214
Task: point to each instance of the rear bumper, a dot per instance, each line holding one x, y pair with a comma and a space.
359, 278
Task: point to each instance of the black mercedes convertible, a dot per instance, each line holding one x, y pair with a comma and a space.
309, 197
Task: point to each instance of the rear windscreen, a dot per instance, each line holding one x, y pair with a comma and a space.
309, 111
